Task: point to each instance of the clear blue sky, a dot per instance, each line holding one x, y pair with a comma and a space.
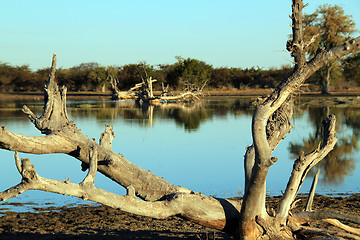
228, 33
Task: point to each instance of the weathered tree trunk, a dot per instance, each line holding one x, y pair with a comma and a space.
162, 199
150, 195
119, 95
326, 82
255, 221
103, 88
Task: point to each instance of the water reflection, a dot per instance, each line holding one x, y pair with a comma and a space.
207, 140
187, 115
341, 161
10, 110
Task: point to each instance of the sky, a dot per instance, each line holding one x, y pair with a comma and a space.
223, 33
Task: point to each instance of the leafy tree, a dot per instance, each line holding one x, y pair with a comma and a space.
19, 78
77, 77
249, 77
272, 77
99, 76
188, 71
5, 74
220, 77
22, 79
330, 27
131, 74
112, 72
351, 68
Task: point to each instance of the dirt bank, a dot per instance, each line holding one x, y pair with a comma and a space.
97, 223
87, 222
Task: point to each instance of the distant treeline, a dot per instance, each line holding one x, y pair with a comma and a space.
94, 77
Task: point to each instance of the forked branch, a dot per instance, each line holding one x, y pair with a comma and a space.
303, 165
259, 155
55, 106
62, 136
192, 205
160, 199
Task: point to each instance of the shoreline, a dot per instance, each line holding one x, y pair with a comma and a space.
101, 222
211, 93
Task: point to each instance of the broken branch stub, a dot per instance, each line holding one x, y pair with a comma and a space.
309, 202
55, 115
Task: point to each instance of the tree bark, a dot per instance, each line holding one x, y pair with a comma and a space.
143, 93
308, 206
326, 81
255, 222
162, 199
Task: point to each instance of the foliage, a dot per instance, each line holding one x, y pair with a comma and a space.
220, 77
330, 27
19, 78
330, 24
187, 71
351, 68
76, 78
336, 74
131, 74
93, 77
99, 76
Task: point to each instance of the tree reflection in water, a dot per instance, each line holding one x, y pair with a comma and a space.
336, 166
187, 115
340, 162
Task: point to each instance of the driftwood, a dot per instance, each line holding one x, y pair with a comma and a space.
122, 95
192, 92
150, 195
143, 92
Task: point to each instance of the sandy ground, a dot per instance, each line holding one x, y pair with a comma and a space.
98, 223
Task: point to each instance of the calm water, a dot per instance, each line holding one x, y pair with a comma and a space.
199, 146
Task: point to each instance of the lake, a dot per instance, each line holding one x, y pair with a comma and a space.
198, 146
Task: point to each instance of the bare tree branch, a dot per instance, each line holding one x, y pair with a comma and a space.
315, 233
205, 210
162, 198
309, 202
303, 165
254, 199
305, 217
345, 227
143, 92
62, 136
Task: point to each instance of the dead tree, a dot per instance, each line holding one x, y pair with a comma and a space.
143, 92
191, 92
150, 195
122, 95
